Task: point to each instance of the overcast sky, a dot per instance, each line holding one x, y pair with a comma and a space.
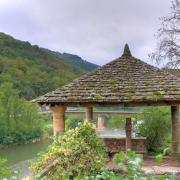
96, 30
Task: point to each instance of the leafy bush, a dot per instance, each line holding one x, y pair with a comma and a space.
130, 163
129, 166
19, 120
4, 170
155, 125
78, 153
73, 121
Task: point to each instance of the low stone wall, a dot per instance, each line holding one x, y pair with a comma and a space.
119, 144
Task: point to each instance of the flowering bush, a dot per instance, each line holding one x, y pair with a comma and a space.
78, 152
80, 155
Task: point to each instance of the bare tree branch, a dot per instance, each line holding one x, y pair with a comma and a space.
168, 46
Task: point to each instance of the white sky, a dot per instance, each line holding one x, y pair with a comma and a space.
96, 30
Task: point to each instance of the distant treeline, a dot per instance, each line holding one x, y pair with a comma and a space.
19, 120
35, 71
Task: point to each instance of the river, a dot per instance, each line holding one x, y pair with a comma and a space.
18, 156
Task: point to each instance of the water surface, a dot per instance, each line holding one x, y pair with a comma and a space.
19, 153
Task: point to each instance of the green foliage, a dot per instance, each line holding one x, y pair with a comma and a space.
73, 121
130, 163
154, 123
4, 170
35, 71
130, 166
78, 151
47, 126
166, 151
78, 62
19, 120
105, 174
160, 156
115, 121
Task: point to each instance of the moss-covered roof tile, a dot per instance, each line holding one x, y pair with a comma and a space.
126, 79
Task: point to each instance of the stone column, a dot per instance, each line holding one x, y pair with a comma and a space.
89, 114
58, 113
175, 116
128, 128
100, 123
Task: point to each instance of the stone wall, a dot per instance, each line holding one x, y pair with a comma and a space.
119, 144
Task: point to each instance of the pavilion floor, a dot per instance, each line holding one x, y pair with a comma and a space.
149, 166
165, 167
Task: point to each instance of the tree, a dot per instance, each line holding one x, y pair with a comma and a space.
19, 119
168, 46
154, 124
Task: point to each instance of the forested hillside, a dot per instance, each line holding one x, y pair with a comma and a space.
34, 70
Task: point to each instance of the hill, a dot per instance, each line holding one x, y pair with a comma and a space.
77, 62
34, 70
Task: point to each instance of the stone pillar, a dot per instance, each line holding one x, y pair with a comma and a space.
89, 114
58, 113
100, 123
128, 128
175, 116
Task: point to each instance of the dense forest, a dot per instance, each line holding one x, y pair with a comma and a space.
19, 120
34, 70
28, 71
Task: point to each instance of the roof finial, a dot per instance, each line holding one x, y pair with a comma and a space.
126, 52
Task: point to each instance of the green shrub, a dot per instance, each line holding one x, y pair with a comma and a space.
19, 119
155, 125
72, 121
4, 170
130, 163
78, 153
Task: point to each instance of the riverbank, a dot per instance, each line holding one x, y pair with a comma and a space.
18, 153
2, 147
19, 157
47, 134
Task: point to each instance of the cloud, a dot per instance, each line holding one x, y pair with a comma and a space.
93, 29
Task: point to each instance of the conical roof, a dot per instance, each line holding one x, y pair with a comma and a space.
175, 72
124, 81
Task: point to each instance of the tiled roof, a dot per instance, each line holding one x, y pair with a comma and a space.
176, 72
126, 80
